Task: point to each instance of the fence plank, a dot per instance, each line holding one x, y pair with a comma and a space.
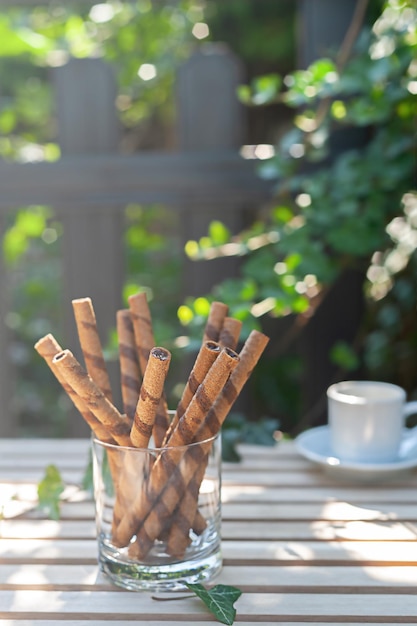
209, 113
91, 184
210, 118
8, 425
111, 179
321, 27
85, 95
92, 240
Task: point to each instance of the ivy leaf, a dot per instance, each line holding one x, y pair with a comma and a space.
219, 600
230, 438
87, 481
49, 491
344, 356
237, 429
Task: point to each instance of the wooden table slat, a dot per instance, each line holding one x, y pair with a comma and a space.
250, 577
302, 546
250, 605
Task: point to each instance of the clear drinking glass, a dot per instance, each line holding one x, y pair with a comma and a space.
158, 513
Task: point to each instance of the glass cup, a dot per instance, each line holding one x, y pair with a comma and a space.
158, 513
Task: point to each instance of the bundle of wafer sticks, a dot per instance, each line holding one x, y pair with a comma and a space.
167, 505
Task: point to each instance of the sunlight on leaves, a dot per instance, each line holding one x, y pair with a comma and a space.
218, 233
185, 315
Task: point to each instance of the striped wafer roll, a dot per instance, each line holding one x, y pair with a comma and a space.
132, 475
217, 313
206, 356
129, 365
230, 332
169, 476
82, 383
161, 422
150, 393
148, 517
249, 356
203, 399
150, 396
142, 326
145, 341
85, 319
186, 515
48, 347
155, 511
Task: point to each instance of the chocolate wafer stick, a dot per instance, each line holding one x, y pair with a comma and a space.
217, 313
150, 396
164, 493
206, 356
155, 510
230, 332
145, 341
82, 383
206, 394
130, 377
186, 515
167, 459
142, 327
48, 348
144, 417
249, 356
90, 344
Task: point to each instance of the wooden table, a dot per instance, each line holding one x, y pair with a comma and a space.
302, 546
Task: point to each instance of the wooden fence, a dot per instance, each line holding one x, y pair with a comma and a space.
92, 183
205, 179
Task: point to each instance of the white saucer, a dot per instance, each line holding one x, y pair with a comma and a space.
314, 444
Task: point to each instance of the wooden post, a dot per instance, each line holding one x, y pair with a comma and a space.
210, 119
210, 116
322, 25
8, 424
92, 239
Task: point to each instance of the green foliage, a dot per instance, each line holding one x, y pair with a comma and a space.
339, 209
32, 250
31, 247
29, 224
154, 266
32, 41
36, 39
355, 209
87, 479
263, 48
219, 600
238, 429
50, 489
344, 356
127, 35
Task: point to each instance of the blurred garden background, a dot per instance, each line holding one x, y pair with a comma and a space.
322, 256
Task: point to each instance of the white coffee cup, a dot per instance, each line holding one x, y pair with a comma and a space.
367, 420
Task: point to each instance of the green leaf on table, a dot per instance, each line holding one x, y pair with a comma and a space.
219, 600
87, 481
50, 489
